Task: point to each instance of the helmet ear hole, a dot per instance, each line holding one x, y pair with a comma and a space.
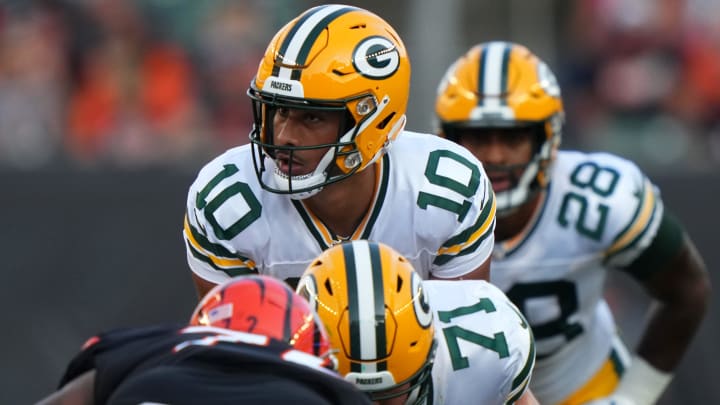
384, 122
399, 284
328, 286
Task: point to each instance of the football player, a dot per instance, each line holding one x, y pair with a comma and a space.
407, 341
329, 161
251, 340
564, 219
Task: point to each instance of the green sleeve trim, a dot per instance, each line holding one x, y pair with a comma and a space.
666, 244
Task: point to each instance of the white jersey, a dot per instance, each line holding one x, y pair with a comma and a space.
485, 351
600, 211
433, 203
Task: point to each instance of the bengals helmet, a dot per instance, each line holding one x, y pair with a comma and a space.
333, 58
265, 306
504, 85
376, 312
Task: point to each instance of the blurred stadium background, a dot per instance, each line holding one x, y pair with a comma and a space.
109, 107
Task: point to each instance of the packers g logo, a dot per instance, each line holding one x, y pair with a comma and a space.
376, 58
423, 314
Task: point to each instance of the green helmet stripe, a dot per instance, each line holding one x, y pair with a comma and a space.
296, 46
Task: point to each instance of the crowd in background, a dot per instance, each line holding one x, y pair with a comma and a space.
126, 83
137, 83
642, 78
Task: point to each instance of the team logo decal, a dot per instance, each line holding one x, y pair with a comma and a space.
376, 58
421, 305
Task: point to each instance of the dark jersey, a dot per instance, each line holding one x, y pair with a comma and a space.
191, 365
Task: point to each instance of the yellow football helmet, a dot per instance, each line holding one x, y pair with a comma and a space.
504, 85
331, 57
377, 315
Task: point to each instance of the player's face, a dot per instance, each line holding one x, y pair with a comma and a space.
301, 128
503, 152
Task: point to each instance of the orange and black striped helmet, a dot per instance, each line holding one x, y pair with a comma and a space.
265, 306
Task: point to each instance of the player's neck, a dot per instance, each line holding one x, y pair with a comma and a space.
341, 206
508, 227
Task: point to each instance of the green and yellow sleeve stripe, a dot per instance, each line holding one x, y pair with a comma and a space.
468, 240
644, 216
215, 255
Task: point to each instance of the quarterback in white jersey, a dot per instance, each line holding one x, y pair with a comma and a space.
564, 219
404, 340
328, 161
233, 226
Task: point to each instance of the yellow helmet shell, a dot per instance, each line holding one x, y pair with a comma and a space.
375, 310
342, 55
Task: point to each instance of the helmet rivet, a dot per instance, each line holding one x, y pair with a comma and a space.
365, 105
352, 160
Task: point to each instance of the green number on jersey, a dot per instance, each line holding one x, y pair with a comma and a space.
210, 207
497, 343
466, 190
602, 181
